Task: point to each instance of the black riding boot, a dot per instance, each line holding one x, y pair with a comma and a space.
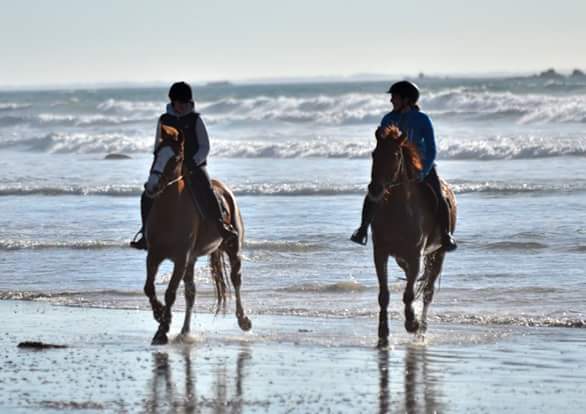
448, 242
145, 207
360, 236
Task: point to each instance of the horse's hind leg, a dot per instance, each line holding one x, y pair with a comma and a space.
433, 268
160, 337
153, 263
189, 286
236, 277
411, 268
380, 262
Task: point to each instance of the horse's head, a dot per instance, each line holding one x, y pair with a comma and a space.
394, 159
168, 160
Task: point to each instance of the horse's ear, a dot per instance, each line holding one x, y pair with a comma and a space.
171, 133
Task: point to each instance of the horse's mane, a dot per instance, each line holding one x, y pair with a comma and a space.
412, 155
410, 150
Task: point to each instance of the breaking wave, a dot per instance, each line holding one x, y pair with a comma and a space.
7, 245
355, 107
471, 148
80, 142
287, 189
13, 106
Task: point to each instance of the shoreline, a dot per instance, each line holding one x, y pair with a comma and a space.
284, 365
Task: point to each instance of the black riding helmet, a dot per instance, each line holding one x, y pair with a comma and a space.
406, 90
180, 91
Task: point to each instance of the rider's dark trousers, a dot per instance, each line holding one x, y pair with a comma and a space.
200, 183
444, 213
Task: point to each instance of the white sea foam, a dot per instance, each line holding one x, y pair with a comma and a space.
13, 106
10, 244
126, 106
288, 189
82, 142
354, 108
488, 148
90, 119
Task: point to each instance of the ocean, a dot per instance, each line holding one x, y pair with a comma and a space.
298, 158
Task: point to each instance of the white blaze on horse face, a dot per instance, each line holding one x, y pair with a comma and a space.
163, 157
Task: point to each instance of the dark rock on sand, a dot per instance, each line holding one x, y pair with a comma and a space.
39, 345
117, 157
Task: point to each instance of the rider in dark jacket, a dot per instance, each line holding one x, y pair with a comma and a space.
419, 130
181, 115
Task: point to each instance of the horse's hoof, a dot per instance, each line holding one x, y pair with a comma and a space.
160, 339
422, 328
382, 343
245, 324
411, 326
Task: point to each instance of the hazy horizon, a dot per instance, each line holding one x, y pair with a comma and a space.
64, 43
358, 77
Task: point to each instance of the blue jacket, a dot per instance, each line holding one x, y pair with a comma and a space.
419, 129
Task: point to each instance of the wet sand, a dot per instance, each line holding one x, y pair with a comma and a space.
286, 364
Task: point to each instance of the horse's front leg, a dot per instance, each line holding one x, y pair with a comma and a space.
152, 264
160, 337
380, 262
189, 285
411, 268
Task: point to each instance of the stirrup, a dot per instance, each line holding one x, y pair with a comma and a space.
360, 236
139, 244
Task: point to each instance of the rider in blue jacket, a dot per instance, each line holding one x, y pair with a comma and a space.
419, 129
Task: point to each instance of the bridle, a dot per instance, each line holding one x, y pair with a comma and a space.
161, 174
396, 181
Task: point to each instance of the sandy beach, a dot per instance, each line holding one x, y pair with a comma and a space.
286, 364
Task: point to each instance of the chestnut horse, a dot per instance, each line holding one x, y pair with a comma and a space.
406, 227
176, 230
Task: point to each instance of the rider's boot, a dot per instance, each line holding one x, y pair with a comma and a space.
448, 241
360, 235
145, 207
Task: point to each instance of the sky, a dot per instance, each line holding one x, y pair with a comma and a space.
77, 41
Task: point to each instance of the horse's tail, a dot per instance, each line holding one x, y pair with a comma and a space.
219, 276
217, 259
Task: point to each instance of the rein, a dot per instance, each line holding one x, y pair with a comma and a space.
176, 180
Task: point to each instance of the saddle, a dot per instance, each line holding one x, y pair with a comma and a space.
222, 202
431, 195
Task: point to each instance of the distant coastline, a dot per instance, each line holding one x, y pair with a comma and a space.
548, 74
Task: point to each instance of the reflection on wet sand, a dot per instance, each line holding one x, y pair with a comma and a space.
420, 385
165, 395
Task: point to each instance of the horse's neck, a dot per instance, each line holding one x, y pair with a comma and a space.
406, 201
175, 198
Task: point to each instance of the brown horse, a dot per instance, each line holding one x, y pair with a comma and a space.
406, 227
176, 230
